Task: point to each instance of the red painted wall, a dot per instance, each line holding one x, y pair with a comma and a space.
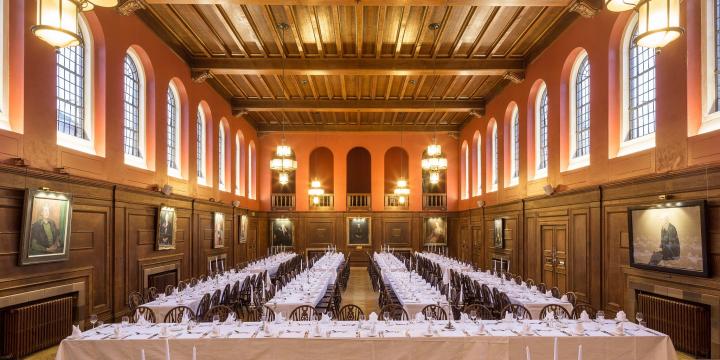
678, 112
33, 115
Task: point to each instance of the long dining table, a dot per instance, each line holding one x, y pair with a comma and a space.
530, 298
346, 340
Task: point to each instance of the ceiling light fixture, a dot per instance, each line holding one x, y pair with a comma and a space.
434, 160
57, 20
658, 20
283, 161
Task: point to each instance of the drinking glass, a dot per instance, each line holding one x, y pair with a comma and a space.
93, 320
639, 317
600, 316
216, 319
386, 316
473, 315
125, 321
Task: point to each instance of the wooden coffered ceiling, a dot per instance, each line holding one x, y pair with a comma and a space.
359, 64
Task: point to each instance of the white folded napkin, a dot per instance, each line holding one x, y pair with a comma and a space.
508, 317
550, 316
419, 317
523, 284
621, 316
584, 316
620, 329
76, 332
279, 317
464, 317
325, 319
373, 317
141, 321
230, 319
548, 293
579, 328
564, 298
533, 288
186, 318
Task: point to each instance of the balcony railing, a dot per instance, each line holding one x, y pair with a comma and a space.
282, 201
321, 202
392, 202
359, 202
435, 201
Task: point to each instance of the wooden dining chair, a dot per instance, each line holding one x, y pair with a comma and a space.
193, 282
150, 294
571, 298
225, 297
145, 312
304, 313
518, 312
349, 312
215, 298
255, 314
221, 310
176, 314
203, 306
482, 311
555, 292
559, 312
541, 287
169, 290
395, 312
579, 308
182, 285
530, 283
434, 312
135, 299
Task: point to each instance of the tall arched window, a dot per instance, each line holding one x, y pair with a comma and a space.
252, 185
580, 112
515, 147
173, 131
541, 132
477, 141
494, 157
464, 172
638, 127
4, 26
221, 157
201, 147
134, 110
710, 66
239, 163
74, 96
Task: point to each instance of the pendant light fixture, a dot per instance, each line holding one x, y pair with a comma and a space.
658, 20
401, 187
57, 20
316, 189
283, 161
434, 161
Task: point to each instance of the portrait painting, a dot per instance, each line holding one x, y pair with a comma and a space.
167, 221
435, 230
669, 237
282, 232
359, 231
46, 227
218, 230
242, 238
498, 234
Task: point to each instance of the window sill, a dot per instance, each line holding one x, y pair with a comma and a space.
540, 174
135, 161
513, 182
711, 122
73, 143
636, 145
174, 173
578, 162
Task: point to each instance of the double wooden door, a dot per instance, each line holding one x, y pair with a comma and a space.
554, 255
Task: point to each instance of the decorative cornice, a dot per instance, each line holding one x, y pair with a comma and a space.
129, 7
200, 76
584, 8
514, 77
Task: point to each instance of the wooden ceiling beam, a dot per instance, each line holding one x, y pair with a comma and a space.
363, 105
372, 2
367, 66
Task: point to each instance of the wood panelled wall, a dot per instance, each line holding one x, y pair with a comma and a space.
112, 240
593, 223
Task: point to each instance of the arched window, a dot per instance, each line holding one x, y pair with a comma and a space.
638, 127
464, 172
221, 157
134, 110
477, 138
73, 93
710, 66
239, 163
201, 145
252, 190
494, 157
4, 26
580, 112
173, 131
514, 147
541, 132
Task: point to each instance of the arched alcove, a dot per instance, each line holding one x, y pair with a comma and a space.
397, 164
321, 168
358, 174
430, 188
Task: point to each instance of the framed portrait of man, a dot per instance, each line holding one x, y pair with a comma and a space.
669, 237
46, 227
359, 231
218, 230
282, 232
242, 238
498, 233
167, 222
435, 230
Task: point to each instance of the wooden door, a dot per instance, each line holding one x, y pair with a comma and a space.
554, 256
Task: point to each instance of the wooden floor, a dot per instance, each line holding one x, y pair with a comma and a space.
358, 292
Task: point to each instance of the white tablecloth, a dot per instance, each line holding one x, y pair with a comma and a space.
339, 340
446, 264
271, 264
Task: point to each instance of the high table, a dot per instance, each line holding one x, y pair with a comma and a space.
395, 340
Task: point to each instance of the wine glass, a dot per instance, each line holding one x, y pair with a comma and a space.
216, 319
93, 320
600, 316
386, 316
639, 317
125, 321
473, 315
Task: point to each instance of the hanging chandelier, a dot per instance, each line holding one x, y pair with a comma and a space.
283, 161
658, 20
401, 187
434, 160
57, 20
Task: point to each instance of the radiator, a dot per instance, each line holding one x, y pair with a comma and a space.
37, 326
687, 324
